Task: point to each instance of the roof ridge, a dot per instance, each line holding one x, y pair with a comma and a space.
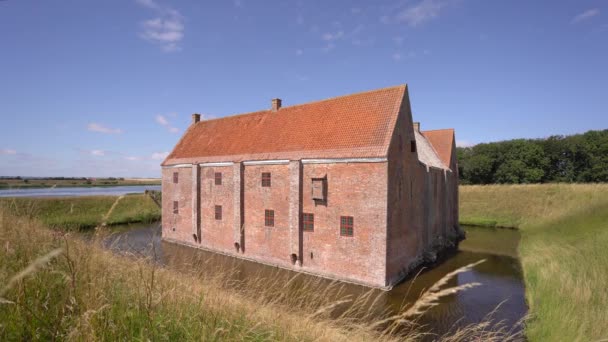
307, 103
440, 129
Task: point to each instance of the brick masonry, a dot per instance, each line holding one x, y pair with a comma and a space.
403, 211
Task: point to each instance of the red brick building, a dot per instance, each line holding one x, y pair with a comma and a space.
346, 188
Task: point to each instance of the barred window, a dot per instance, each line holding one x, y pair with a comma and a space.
218, 212
269, 218
175, 207
218, 178
265, 178
175, 177
346, 225
308, 222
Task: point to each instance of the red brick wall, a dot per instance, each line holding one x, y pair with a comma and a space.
270, 244
422, 205
405, 217
217, 234
357, 190
181, 192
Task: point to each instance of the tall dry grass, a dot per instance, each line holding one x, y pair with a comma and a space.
58, 287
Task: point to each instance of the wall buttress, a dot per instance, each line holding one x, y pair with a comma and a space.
196, 205
295, 210
239, 214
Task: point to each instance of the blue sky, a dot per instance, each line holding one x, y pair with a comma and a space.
106, 88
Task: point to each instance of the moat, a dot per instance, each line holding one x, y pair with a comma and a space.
501, 290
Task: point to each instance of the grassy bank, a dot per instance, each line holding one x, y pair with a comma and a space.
54, 286
85, 212
563, 251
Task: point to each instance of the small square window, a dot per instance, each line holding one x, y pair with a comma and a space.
218, 212
266, 179
175, 177
218, 178
269, 218
308, 222
346, 225
175, 207
413, 146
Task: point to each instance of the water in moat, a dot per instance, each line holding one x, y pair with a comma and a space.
501, 291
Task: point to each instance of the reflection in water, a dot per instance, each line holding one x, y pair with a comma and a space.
500, 275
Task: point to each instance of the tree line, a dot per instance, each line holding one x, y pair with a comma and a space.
574, 158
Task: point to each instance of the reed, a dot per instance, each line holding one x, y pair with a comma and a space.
57, 286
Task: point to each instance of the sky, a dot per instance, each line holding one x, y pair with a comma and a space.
106, 88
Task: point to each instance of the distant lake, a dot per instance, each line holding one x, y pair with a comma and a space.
77, 191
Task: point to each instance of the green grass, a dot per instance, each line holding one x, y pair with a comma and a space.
85, 212
563, 250
134, 208
86, 294
56, 286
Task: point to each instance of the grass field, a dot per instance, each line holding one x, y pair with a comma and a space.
93, 294
563, 250
20, 183
55, 286
86, 211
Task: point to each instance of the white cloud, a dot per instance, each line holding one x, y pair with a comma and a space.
396, 56
464, 143
162, 120
328, 47
148, 3
97, 153
329, 36
132, 158
421, 12
159, 155
165, 123
95, 127
585, 15
166, 30
7, 151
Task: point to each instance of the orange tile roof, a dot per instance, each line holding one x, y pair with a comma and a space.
442, 141
357, 125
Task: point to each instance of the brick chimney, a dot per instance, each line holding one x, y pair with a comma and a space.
417, 127
276, 104
196, 118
